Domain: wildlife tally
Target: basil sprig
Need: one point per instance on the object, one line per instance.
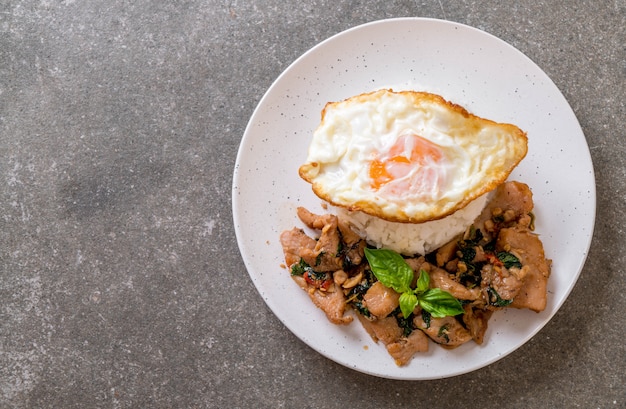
(393, 271)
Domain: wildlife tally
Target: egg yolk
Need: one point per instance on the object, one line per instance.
(410, 153)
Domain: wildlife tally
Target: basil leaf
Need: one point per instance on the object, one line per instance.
(439, 303)
(422, 282)
(408, 302)
(390, 269)
(509, 260)
(393, 271)
(468, 254)
(299, 268)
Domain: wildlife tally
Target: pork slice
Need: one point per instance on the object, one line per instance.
(506, 282)
(353, 243)
(446, 252)
(314, 221)
(380, 300)
(328, 247)
(447, 331)
(476, 321)
(294, 242)
(403, 350)
(385, 330)
(528, 246)
(418, 263)
(355, 253)
(331, 301)
(324, 256)
(513, 195)
(350, 238)
(440, 278)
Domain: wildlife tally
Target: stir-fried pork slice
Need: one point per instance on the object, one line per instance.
(403, 350)
(346, 239)
(476, 321)
(385, 330)
(338, 243)
(325, 255)
(348, 235)
(513, 196)
(447, 331)
(505, 282)
(314, 221)
(297, 245)
(294, 242)
(380, 300)
(533, 294)
(440, 278)
(327, 249)
(331, 301)
(446, 252)
(415, 263)
(353, 243)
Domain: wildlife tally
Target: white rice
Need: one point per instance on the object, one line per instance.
(412, 239)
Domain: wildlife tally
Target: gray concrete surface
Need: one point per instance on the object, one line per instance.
(121, 285)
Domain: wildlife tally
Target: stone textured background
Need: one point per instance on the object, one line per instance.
(121, 285)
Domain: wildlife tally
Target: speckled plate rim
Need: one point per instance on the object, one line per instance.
(465, 65)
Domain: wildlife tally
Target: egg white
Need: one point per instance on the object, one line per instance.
(470, 156)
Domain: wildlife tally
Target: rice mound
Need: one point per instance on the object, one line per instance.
(412, 239)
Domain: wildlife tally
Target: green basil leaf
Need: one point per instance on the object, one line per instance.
(422, 282)
(299, 268)
(439, 303)
(408, 302)
(509, 260)
(390, 269)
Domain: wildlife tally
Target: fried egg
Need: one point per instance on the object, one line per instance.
(408, 156)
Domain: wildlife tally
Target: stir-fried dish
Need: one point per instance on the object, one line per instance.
(446, 296)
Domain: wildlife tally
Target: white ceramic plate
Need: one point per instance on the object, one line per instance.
(467, 66)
